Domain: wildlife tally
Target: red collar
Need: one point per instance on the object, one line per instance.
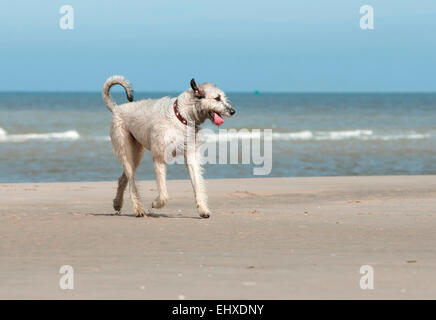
(178, 115)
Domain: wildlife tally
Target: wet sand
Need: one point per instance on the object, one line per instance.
(269, 238)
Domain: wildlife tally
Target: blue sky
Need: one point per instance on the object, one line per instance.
(274, 45)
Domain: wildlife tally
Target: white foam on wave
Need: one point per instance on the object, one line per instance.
(307, 135)
(66, 135)
(3, 133)
(302, 135)
(410, 136)
(323, 135)
(348, 135)
(340, 135)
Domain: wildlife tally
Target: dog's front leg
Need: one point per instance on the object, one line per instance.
(195, 172)
(160, 170)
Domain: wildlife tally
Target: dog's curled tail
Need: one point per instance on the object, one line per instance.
(110, 104)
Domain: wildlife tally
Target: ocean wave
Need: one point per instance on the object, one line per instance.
(305, 135)
(410, 136)
(60, 136)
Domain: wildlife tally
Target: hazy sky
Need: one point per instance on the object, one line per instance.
(274, 45)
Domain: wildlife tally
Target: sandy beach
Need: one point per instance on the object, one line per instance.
(269, 238)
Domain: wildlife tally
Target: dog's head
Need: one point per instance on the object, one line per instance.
(211, 102)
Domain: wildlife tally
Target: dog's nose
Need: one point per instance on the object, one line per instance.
(232, 112)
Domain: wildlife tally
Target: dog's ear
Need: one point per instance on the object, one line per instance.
(197, 92)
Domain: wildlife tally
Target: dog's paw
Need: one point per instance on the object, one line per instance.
(140, 212)
(203, 212)
(205, 215)
(117, 206)
(159, 202)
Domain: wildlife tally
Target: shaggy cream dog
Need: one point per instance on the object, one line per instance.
(163, 127)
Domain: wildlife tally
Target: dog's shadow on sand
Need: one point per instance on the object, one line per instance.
(148, 215)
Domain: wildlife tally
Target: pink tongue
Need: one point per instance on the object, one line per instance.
(217, 119)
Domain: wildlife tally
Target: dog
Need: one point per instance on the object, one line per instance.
(162, 126)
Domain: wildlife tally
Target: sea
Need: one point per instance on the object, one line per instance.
(48, 137)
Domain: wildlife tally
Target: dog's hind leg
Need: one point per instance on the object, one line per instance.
(137, 153)
(118, 201)
(130, 167)
(160, 170)
(129, 152)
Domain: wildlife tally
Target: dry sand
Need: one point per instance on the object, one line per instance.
(275, 238)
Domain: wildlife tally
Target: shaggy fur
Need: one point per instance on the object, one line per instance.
(151, 124)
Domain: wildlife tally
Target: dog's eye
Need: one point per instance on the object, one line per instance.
(218, 98)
